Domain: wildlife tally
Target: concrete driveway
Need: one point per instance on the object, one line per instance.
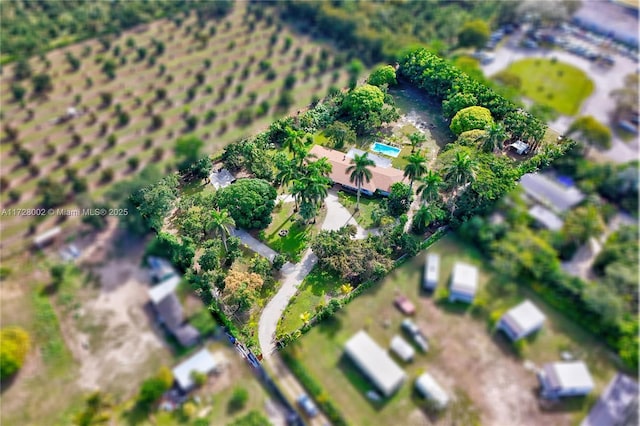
(599, 104)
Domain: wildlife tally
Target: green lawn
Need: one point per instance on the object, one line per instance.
(297, 239)
(316, 288)
(556, 84)
(464, 354)
(367, 205)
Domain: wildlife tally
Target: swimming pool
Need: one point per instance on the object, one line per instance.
(385, 149)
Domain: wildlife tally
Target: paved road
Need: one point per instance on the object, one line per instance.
(255, 244)
(599, 104)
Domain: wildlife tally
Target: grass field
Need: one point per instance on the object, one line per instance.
(367, 205)
(234, 82)
(488, 380)
(318, 287)
(555, 84)
(297, 238)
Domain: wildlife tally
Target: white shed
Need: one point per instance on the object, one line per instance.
(402, 349)
(427, 386)
(200, 362)
(559, 379)
(431, 271)
(464, 283)
(158, 292)
(375, 363)
(46, 237)
(522, 320)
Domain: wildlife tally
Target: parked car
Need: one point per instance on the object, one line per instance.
(307, 405)
(416, 334)
(404, 305)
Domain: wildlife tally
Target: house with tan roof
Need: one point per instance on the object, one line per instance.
(381, 177)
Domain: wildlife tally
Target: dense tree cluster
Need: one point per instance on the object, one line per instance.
(249, 202)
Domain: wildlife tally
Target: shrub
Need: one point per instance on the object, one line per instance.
(471, 118)
(279, 261)
(14, 346)
(238, 399)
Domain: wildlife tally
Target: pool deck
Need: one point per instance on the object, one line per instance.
(380, 161)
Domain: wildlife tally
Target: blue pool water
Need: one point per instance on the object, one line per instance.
(385, 149)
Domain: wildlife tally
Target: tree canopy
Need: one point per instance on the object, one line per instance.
(384, 74)
(14, 346)
(474, 34)
(591, 131)
(471, 118)
(249, 202)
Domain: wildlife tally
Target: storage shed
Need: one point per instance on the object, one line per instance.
(402, 349)
(431, 271)
(521, 320)
(201, 362)
(427, 386)
(375, 363)
(464, 283)
(558, 379)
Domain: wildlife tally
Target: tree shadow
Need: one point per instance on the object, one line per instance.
(330, 326)
(7, 382)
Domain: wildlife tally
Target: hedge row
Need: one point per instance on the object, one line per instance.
(315, 389)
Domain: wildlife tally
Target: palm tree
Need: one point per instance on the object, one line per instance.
(293, 141)
(297, 191)
(461, 170)
(305, 317)
(315, 189)
(415, 168)
(416, 139)
(429, 186)
(346, 289)
(220, 224)
(360, 172)
(320, 167)
(494, 137)
(287, 173)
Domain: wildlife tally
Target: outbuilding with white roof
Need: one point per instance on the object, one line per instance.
(201, 362)
(427, 386)
(464, 283)
(431, 271)
(559, 379)
(521, 320)
(375, 363)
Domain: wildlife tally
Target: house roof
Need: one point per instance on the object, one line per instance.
(374, 362)
(546, 217)
(464, 279)
(431, 389)
(401, 348)
(617, 405)
(158, 292)
(170, 311)
(568, 375)
(381, 177)
(550, 192)
(524, 318)
(201, 362)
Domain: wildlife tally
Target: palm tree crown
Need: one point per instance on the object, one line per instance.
(429, 186)
(415, 168)
(494, 137)
(220, 224)
(360, 172)
(461, 170)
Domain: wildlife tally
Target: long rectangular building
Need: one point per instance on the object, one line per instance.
(381, 177)
(375, 363)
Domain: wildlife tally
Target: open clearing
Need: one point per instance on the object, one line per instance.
(561, 86)
(490, 383)
(235, 81)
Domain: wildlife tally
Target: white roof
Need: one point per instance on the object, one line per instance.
(524, 317)
(546, 217)
(432, 267)
(201, 362)
(401, 348)
(571, 375)
(221, 179)
(47, 235)
(374, 362)
(550, 192)
(464, 279)
(165, 288)
(428, 387)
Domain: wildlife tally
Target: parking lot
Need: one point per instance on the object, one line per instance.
(606, 79)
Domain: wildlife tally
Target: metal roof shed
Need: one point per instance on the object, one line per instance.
(162, 290)
(522, 320)
(560, 379)
(375, 363)
(431, 271)
(427, 386)
(402, 349)
(200, 362)
(464, 283)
